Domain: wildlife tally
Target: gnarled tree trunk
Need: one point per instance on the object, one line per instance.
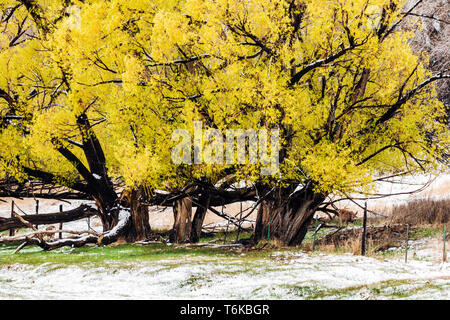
(108, 217)
(285, 215)
(140, 226)
(97, 178)
(182, 220)
(199, 217)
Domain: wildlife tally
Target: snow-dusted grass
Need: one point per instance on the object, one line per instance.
(95, 255)
(161, 272)
(171, 272)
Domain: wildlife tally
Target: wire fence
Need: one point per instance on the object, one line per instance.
(17, 211)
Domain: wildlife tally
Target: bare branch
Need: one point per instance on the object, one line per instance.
(401, 101)
(309, 67)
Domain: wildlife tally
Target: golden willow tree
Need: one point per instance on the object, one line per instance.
(52, 118)
(74, 112)
(93, 90)
(337, 78)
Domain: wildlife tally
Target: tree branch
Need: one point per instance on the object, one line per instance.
(309, 67)
(104, 239)
(83, 211)
(401, 101)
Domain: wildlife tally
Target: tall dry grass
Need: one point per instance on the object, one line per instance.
(422, 212)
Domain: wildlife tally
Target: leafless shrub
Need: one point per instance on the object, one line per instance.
(422, 212)
(377, 239)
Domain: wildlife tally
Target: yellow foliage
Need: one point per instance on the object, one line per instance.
(145, 69)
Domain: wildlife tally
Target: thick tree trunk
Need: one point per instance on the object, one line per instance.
(140, 226)
(97, 179)
(286, 215)
(182, 224)
(199, 217)
(108, 217)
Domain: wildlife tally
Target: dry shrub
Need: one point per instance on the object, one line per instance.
(393, 233)
(377, 238)
(275, 243)
(422, 212)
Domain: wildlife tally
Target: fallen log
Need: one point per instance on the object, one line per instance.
(25, 222)
(38, 234)
(28, 224)
(103, 239)
(83, 211)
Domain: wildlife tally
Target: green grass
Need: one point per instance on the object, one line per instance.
(99, 255)
(230, 236)
(426, 232)
(321, 233)
(96, 255)
(391, 289)
(122, 254)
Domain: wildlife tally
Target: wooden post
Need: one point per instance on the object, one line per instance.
(185, 229)
(226, 231)
(239, 226)
(407, 238)
(37, 211)
(314, 234)
(444, 252)
(363, 238)
(61, 224)
(268, 231)
(11, 231)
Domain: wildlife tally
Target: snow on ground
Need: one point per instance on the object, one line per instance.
(285, 275)
(426, 249)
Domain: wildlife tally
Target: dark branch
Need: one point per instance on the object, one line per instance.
(83, 211)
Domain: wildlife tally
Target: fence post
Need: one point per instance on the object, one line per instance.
(61, 224)
(185, 229)
(314, 234)
(407, 238)
(37, 211)
(226, 231)
(363, 240)
(268, 231)
(11, 231)
(444, 252)
(239, 226)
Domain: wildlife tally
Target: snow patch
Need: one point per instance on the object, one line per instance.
(285, 275)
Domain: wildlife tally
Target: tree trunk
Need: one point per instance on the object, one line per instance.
(108, 217)
(140, 226)
(97, 178)
(199, 217)
(182, 224)
(286, 215)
